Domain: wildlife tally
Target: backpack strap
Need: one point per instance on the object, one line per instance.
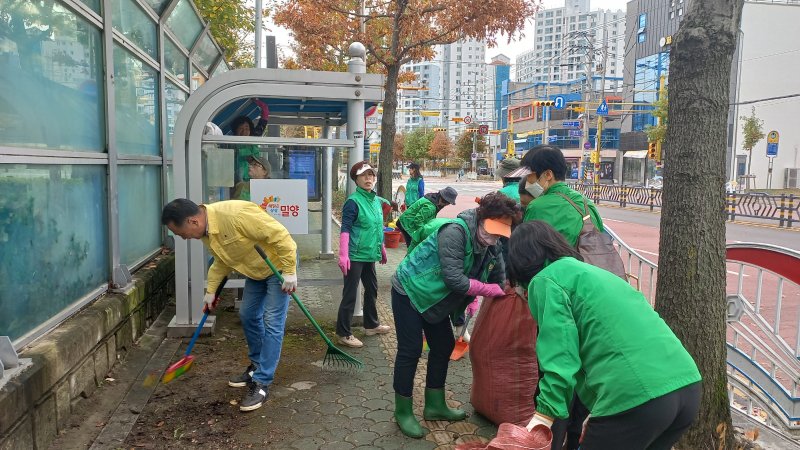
(584, 213)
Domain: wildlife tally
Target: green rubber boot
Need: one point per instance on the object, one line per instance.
(436, 408)
(404, 415)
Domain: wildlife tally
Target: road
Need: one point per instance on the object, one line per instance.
(638, 228)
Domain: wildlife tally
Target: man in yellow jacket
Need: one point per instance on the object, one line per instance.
(230, 230)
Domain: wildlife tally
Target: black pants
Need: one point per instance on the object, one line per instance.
(405, 234)
(655, 425)
(409, 325)
(364, 272)
(569, 430)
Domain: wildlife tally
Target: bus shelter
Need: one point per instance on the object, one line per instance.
(207, 165)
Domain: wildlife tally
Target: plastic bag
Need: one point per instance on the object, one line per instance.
(514, 437)
(505, 372)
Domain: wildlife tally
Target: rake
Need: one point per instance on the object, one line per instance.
(334, 357)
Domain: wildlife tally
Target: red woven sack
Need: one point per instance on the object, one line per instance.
(502, 349)
(513, 437)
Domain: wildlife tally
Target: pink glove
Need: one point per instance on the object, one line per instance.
(383, 254)
(344, 252)
(485, 289)
(263, 107)
(472, 308)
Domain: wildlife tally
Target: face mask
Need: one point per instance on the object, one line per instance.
(485, 238)
(535, 189)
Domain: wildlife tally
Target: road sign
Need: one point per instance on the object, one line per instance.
(467, 120)
(559, 102)
(483, 129)
(772, 144)
(552, 139)
(474, 156)
(571, 124)
(602, 110)
(587, 145)
(575, 133)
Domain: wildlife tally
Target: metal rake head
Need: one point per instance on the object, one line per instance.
(336, 359)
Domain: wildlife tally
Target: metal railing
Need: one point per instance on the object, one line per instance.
(783, 209)
(763, 337)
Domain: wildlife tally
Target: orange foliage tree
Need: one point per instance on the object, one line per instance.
(399, 147)
(395, 32)
(441, 147)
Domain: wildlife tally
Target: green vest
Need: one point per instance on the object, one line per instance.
(420, 272)
(412, 191)
(416, 216)
(366, 235)
(429, 228)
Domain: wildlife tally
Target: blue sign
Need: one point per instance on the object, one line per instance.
(570, 124)
(575, 133)
(559, 102)
(772, 150)
(602, 110)
(587, 145)
(303, 166)
(552, 139)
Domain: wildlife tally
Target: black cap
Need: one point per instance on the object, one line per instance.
(449, 195)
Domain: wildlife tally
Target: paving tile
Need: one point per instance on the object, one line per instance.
(361, 437)
(377, 403)
(380, 415)
(337, 446)
(354, 411)
(307, 443)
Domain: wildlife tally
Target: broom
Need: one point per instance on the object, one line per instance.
(184, 364)
(334, 356)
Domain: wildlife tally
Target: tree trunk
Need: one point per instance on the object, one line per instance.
(388, 131)
(691, 280)
(749, 160)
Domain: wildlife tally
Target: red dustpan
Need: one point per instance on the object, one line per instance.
(462, 346)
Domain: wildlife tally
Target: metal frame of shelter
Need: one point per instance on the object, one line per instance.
(355, 88)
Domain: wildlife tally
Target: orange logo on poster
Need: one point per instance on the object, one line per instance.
(272, 205)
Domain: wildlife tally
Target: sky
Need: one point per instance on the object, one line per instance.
(283, 37)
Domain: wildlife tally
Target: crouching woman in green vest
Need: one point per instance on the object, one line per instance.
(423, 211)
(435, 282)
(600, 338)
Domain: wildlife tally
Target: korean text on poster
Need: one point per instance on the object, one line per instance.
(285, 200)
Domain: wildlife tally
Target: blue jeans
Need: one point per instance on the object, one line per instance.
(263, 316)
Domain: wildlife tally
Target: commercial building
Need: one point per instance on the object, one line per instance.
(764, 68)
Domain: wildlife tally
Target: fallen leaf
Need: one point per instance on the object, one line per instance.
(160, 424)
(234, 402)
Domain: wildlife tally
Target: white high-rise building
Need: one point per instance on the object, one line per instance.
(561, 41)
(466, 89)
(420, 97)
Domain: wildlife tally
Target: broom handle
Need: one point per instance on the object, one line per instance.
(203, 320)
(294, 296)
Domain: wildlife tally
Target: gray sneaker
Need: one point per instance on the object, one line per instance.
(242, 379)
(256, 396)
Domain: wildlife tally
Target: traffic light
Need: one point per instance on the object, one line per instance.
(652, 150)
(544, 103)
(439, 129)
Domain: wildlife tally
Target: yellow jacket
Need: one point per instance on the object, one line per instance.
(234, 227)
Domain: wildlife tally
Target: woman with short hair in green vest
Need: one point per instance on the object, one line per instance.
(415, 186)
(423, 211)
(360, 247)
(435, 282)
(599, 338)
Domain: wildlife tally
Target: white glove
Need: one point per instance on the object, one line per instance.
(539, 419)
(289, 283)
(208, 299)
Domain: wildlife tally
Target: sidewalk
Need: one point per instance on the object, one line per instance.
(308, 407)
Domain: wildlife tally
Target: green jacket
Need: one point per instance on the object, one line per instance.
(511, 190)
(412, 191)
(556, 210)
(416, 216)
(436, 274)
(599, 337)
(366, 236)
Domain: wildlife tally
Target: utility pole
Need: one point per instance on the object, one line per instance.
(587, 100)
(598, 137)
(259, 14)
